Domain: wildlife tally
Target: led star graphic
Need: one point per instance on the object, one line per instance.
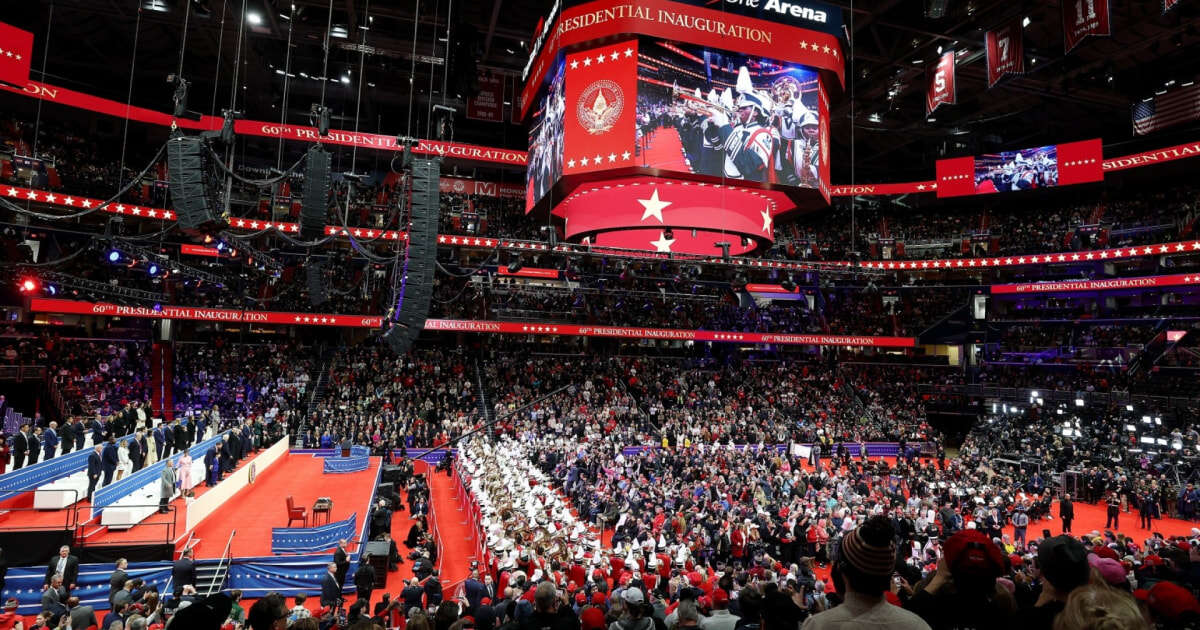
(653, 206)
(663, 244)
(767, 221)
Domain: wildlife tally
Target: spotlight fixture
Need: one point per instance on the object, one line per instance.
(515, 265)
(152, 270)
(114, 256)
(29, 285)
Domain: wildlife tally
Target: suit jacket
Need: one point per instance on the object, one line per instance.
(95, 467)
(70, 571)
(331, 591)
(160, 440)
(79, 431)
(50, 440)
(412, 596)
(108, 455)
(97, 432)
(475, 591)
(180, 436)
(20, 443)
(52, 601)
(136, 454)
(183, 572)
(115, 583)
(341, 558)
(1066, 509)
(84, 617)
(364, 577)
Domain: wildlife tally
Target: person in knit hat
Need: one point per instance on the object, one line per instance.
(863, 571)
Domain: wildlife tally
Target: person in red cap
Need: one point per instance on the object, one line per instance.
(963, 593)
(721, 618)
(1174, 605)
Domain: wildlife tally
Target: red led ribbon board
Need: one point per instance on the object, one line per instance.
(42, 305)
(1113, 284)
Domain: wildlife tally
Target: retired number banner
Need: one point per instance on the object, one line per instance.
(1082, 18)
(941, 88)
(1005, 51)
(488, 103)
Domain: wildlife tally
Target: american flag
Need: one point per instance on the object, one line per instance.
(1165, 110)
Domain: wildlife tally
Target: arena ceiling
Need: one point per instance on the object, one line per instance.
(1086, 93)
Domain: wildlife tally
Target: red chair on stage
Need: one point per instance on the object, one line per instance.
(296, 513)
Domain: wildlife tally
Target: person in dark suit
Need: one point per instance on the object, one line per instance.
(144, 446)
(183, 572)
(94, 469)
(474, 590)
(117, 580)
(1066, 511)
(98, 430)
(54, 598)
(364, 579)
(341, 559)
(137, 451)
(65, 565)
(81, 616)
(331, 589)
(80, 433)
(433, 590)
(109, 459)
(212, 466)
(35, 445)
(168, 440)
(181, 437)
(228, 458)
(412, 594)
(66, 433)
(50, 441)
(20, 446)
(160, 442)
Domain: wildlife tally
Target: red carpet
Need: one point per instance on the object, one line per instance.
(663, 149)
(262, 504)
(457, 536)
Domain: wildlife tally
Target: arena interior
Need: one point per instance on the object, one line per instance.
(598, 315)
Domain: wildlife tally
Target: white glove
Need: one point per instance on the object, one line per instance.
(719, 118)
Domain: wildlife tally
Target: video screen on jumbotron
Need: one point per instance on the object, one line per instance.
(546, 139)
(1027, 169)
(713, 112)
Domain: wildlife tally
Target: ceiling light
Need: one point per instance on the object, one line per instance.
(939, 50)
(874, 117)
(1026, 21)
(156, 5)
(346, 79)
(254, 18)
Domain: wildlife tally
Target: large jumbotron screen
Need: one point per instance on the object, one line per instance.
(546, 139)
(711, 112)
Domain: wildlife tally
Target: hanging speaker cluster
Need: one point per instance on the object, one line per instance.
(194, 186)
(314, 209)
(318, 289)
(417, 285)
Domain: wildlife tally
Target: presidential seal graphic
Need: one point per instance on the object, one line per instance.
(599, 106)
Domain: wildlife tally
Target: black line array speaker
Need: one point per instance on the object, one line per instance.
(422, 256)
(318, 292)
(195, 191)
(314, 207)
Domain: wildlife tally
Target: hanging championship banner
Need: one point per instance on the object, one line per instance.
(941, 88)
(1005, 52)
(16, 46)
(1169, 4)
(488, 103)
(1082, 18)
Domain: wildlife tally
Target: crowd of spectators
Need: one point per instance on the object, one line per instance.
(231, 382)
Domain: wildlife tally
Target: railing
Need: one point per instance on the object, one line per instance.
(433, 520)
(70, 519)
(222, 571)
(22, 372)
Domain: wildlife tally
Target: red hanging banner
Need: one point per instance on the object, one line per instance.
(488, 103)
(598, 110)
(1082, 18)
(1169, 4)
(941, 88)
(16, 46)
(1005, 51)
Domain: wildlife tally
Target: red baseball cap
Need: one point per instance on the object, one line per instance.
(971, 554)
(1170, 601)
